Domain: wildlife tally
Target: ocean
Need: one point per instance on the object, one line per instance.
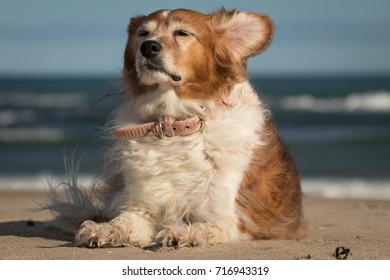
(337, 129)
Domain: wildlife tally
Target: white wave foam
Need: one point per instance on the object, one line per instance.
(347, 188)
(320, 187)
(38, 182)
(332, 133)
(371, 101)
(10, 117)
(31, 135)
(44, 100)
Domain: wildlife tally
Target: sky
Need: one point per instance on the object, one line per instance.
(87, 37)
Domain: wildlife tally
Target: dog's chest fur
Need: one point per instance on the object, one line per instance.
(191, 177)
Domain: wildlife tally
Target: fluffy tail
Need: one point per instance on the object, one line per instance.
(72, 204)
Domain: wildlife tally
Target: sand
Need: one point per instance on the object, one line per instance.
(361, 225)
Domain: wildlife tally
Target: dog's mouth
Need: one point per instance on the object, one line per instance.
(150, 65)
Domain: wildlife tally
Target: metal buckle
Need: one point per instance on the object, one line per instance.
(160, 127)
(202, 121)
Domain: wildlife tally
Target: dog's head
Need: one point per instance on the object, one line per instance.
(196, 54)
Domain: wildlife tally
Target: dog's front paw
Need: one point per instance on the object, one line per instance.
(185, 236)
(98, 235)
(192, 235)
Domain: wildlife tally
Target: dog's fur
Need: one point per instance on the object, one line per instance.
(234, 180)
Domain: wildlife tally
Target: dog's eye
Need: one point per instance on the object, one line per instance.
(181, 33)
(143, 33)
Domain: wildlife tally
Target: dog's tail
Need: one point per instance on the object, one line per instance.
(72, 204)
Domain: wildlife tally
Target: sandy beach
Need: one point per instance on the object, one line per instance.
(363, 226)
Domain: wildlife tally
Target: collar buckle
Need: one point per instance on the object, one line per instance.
(160, 127)
(202, 121)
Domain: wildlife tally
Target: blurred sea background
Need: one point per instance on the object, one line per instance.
(325, 77)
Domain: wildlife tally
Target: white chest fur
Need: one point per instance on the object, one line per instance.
(193, 178)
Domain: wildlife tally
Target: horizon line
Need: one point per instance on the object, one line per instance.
(251, 74)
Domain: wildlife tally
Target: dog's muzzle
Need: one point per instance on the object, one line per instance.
(150, 50)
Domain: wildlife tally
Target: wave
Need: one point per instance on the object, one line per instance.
(11, 117)
(347, 188)
(370, 101)
(333, 133)
(39, 182)
(44, 100)
(31, 135)
(353, 188)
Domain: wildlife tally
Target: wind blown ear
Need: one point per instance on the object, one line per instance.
(135, 22)
(129, 55)
(243, 34)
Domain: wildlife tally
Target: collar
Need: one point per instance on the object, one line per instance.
(165, 126)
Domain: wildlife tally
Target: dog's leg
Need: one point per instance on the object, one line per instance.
(127, 228)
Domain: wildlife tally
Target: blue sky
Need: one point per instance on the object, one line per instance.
(87, 37)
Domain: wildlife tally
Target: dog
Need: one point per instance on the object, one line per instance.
(195, 158)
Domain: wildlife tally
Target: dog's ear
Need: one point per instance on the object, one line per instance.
(129, 55)
(242, 34)
(135, 22)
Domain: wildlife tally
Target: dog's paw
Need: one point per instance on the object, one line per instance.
(113, 234)
(185, 236)
(98, 235)
(192, 235)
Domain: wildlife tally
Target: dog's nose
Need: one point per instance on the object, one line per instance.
(150, 48)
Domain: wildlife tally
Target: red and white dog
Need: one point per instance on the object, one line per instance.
(195, 157)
